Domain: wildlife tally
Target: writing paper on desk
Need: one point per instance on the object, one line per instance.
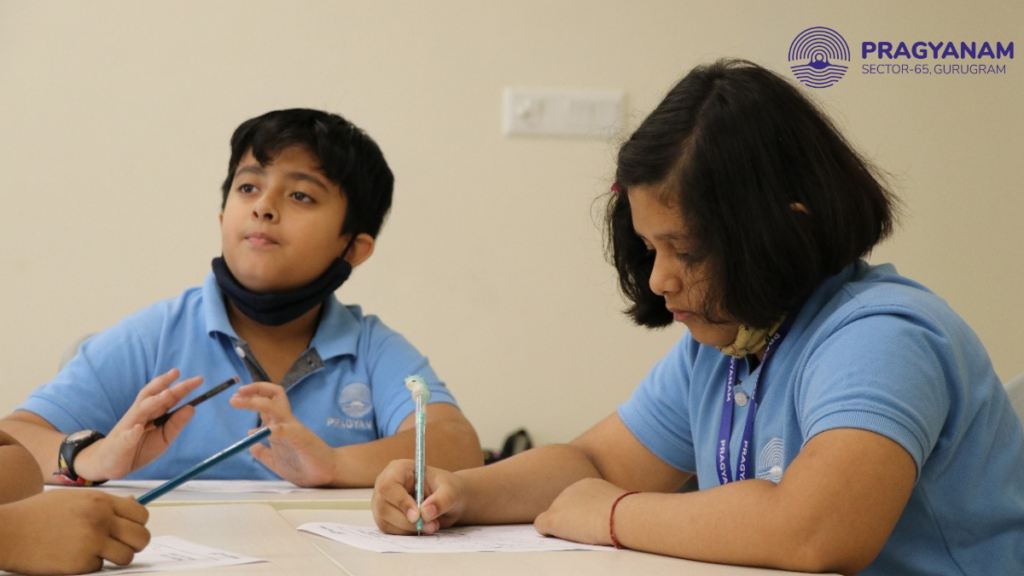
(216, 486)
(173, 553)
(504, 538)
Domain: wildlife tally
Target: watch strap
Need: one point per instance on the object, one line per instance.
(69, 449)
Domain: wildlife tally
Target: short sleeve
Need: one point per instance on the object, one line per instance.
(390, 358)
(886, 373)
(658, 412)
(91, 391)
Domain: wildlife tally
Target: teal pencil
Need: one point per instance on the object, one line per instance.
(421, 394)
(204, 465)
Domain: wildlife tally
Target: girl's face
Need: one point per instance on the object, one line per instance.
(675, 276)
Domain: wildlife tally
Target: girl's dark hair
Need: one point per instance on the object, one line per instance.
(347, 156)
(735, 145)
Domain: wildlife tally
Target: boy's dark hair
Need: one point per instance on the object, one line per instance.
(734, 145)
(347, 155)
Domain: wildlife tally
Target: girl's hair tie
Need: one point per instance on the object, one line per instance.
(616, 187)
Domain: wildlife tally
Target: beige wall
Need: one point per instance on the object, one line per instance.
(115, 118)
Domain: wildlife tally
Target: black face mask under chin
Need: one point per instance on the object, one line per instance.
(277, 308)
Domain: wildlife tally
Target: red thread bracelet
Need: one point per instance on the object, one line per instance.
(611, 519)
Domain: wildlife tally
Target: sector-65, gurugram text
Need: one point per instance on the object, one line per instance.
(938, 51)
(940, 69)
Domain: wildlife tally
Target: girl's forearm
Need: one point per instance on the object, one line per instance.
(516, 490)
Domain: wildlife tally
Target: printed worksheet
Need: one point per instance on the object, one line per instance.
(173, 553)
(504, 538)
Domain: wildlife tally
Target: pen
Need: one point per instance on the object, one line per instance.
(204, 465)
(421, 394)
(161, 420)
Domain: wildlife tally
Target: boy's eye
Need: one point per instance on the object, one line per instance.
(302, 197)
(246, 188)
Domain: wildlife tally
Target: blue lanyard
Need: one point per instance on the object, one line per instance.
(725, 430)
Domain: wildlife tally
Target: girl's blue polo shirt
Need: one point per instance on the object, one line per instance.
(875, 351)
(348, 387)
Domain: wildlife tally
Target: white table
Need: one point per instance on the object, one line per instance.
(263, 524)
(250, 529)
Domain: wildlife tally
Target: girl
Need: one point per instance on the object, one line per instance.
(839, 417)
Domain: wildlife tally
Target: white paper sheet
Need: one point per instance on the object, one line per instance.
(173, 553)
(216, 486)
(504, 538)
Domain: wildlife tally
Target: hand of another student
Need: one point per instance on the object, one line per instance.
(71, 532)
(133, 442)
(394, 500)
(296, 454)
(581, 512)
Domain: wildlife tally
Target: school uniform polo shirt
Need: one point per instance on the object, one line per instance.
(348, 387)
(875, 351)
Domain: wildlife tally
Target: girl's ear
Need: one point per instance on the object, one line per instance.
(798, 207)
(360, 250)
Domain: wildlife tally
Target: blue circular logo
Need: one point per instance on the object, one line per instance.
(355, 400)
(819, 57)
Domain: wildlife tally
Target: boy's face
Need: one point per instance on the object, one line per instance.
(281, 223)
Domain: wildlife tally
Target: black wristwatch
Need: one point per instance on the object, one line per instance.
(70, 448)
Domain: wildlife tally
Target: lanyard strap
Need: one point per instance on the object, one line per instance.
(725, 430)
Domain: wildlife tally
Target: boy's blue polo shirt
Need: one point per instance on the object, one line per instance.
(348, 388)
(875, 351)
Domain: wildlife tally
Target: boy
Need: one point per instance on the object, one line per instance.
(61, 532)
(305, 197)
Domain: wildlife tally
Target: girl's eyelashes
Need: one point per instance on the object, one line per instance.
(679, 252)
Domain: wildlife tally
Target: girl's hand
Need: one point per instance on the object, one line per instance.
(581, 512)
(71, 532)
(296, 454)
(394, 499)
(134, 442)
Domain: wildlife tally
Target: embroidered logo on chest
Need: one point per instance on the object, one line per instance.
(769, 461)
(354, 400)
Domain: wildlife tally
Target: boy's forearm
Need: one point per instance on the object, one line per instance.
(21, 476)
(450, 445)
(40, 439)
(517, 490)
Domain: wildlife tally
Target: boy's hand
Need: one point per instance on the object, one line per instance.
(134, 442)
(71, 532)
(295, 454)
(394, 505)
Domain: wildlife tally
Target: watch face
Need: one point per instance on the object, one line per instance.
(80, 435)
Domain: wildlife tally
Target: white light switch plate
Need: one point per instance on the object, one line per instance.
(589, 113)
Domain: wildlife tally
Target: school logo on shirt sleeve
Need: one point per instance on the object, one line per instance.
(769, 461)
